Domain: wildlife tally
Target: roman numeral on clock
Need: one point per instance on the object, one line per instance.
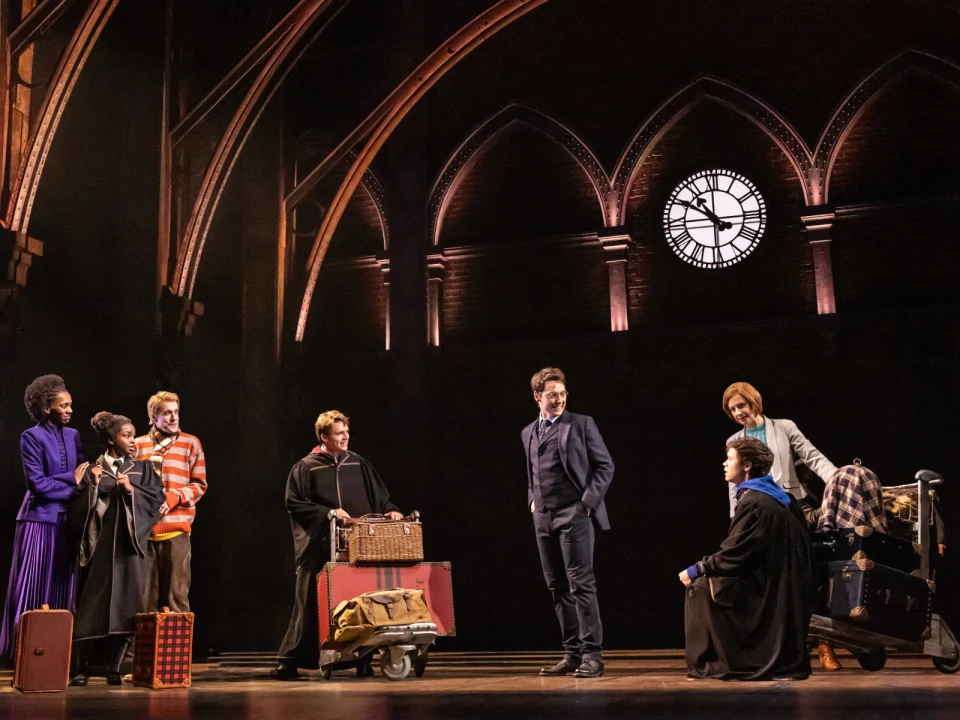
(682, 241)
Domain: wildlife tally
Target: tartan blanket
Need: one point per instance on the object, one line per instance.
(853, 497)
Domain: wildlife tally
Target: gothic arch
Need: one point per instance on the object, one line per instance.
(400, 102)
(302, 25)
(854, 105)
(486, 134)
(676, 107)
(60, 87)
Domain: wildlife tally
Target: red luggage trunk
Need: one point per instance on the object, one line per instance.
(43, 651)
(163, 650)
(342, 581)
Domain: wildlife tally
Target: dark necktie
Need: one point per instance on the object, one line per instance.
(542, 430)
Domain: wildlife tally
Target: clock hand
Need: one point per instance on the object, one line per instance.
(703, 208)
(721, 224)
(691, 206)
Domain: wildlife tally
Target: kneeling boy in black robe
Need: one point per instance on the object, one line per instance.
(748, 605)
(329, 478)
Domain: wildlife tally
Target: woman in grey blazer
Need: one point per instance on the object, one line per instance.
(743, 404)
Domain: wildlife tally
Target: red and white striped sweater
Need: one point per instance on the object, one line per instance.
(184, 473)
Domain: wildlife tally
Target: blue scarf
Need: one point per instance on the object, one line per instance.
(766, 485)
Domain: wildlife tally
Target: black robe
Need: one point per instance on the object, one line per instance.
(113, 528)
(747, 618)
(316, 485)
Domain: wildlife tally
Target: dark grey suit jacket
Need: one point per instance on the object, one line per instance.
(585, 458)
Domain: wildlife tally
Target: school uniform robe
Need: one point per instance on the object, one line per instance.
(747, 616)
(113, 527)
(316, 485)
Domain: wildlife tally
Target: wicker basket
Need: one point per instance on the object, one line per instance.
(373, 539)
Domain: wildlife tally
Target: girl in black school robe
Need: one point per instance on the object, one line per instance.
(118, 503)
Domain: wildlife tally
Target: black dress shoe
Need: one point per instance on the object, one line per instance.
(114, 678)
(364, 669)
(79, 680)
(589, 669)
(567, 665)
(285, 671)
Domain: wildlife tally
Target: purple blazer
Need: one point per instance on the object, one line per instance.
(50, 455)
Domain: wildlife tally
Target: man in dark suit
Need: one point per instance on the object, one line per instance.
(568, 472)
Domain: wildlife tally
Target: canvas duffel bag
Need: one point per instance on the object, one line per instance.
(361, 616)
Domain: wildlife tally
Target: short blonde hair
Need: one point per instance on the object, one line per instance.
(325, 422)
(748, 392)
(156, 400)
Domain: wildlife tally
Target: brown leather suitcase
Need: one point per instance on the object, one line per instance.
(43, 650)
(163, 650)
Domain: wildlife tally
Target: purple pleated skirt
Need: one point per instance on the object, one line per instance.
(41, 574)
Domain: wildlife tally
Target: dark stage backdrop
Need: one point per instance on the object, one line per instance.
(877, 381)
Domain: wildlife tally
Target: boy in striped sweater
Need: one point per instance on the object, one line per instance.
(178, 459)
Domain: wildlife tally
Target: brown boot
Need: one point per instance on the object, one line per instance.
(828, 661)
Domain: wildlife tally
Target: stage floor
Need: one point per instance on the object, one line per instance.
(490, 685)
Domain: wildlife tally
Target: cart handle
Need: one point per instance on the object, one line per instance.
(374, 517)
(929, 476)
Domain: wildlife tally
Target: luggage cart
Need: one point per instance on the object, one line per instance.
(401, 647)
(870, 648)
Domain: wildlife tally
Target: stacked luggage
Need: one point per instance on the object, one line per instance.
(872, 580)
(376, 593)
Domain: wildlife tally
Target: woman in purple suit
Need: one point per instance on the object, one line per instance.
(43, 561)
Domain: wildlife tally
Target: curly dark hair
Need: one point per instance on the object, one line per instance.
(754, 452)
(108, 425)
(41, 393)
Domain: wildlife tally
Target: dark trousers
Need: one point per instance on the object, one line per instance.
(301, 644)
(168, 575)
(565, 538)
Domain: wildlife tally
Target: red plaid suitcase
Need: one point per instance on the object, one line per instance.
(344, 581)
(163, 650)
(43, 650)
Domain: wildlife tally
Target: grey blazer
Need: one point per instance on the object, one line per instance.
(789, 448)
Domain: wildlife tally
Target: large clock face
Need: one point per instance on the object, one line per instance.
(714, 218)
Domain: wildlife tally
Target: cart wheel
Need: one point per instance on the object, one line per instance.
(326, 672)
(945, 665)
(873, 660)
(394, 672)
(419, 667)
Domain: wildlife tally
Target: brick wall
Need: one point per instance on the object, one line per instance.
(348, 309)
(774, 281)
(903, 145)
(524, 185)
(522, 270)
(536, 289)
(897, 256)
(899, 167)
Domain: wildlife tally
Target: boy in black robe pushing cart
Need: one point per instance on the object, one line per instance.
(331, 477)
(748, 605)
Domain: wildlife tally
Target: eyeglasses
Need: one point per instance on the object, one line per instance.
(556, 395)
